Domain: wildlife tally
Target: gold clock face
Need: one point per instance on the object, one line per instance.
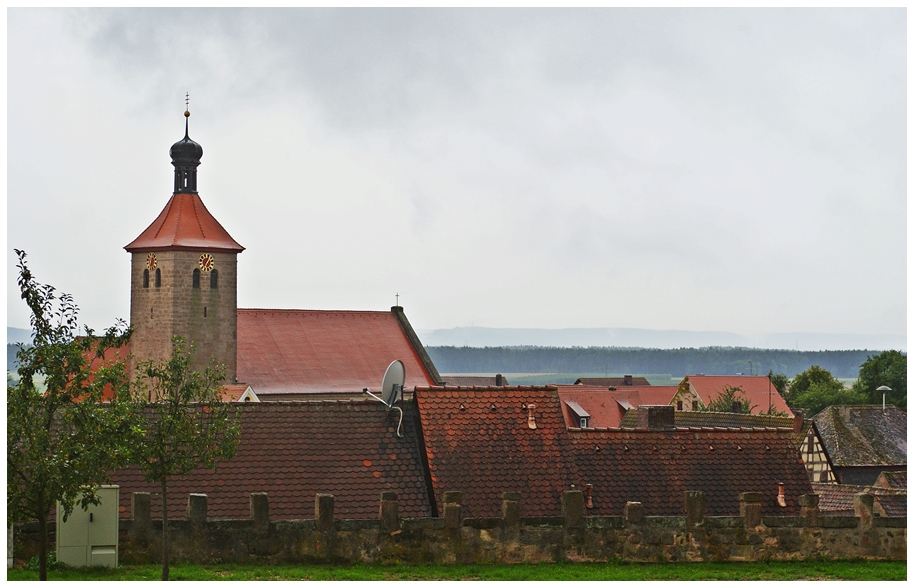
(151, 261)
(207, 263)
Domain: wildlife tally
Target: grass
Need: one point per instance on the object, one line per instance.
(814, 570)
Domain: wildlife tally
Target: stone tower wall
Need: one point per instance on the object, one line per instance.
(205, 316)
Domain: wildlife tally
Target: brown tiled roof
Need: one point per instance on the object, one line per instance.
(184, 223)
(757, 389)
(616, 382)
(311, 351)
(864, 435)
(893, 480)
(838, 499)
(656, 468)
(684, 418)
(607, 407)
(451, 380)
(478, 442)
(294, 450)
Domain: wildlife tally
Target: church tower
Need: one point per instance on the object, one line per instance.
(183, 277)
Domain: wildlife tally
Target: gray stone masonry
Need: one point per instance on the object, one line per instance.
(510, 538)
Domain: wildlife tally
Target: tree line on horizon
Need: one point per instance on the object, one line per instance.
(633, 360)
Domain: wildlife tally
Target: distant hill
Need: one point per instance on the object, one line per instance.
(636, 361)
(14, 335)
(655, 339)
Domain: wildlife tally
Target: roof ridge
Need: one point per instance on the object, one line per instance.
(197, 215)
(312, 310)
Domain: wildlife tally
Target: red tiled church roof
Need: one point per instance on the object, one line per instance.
(294, 450)
(184, 223)
(311, 351)
(758, 389)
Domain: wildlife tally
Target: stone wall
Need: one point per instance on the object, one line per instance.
(509, 538)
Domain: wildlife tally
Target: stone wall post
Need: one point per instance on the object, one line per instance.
(197, 505)
(260, 510)
(809, 509)
(451, 502)
(750, 508)
(863, 509)
(573, 509)
(390, 515)
(323, 512)
(633, 513)
(694, 505)
(510, 509)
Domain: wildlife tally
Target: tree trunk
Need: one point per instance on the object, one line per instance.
(42, 537)
(164, 530)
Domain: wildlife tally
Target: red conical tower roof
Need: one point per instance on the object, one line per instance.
(185, 224)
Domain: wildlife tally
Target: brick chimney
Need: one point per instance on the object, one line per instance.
(627, 380)
(656, 417)
(499, 380)
(797, 424)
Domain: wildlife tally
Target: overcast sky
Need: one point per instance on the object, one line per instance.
(732, 170)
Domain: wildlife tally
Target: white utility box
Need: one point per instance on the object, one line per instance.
(89, 537)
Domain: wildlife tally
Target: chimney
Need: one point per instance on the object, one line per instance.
(656, 417)
(531, 420)
(499, 380)
(736, 407)
(627, 380)
(782, 499)
(797, 424)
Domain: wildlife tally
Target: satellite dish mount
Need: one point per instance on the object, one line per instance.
(392, 389)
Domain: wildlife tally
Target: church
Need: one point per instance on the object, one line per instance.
(184, 282)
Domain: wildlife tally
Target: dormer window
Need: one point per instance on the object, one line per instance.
(578, 414)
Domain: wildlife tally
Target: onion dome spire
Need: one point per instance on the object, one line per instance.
(185, 156)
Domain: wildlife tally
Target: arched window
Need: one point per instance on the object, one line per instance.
(213, 280)
(196, 278)
(158, 278)
(145, 278)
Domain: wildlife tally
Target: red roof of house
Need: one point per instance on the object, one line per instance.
(112, 354)
(656, 468)
(185, 223)
(757, 389)
(607, 407)
(617, 382)
(294, 450)
(310, 351)
(232, 392)
(478, 441)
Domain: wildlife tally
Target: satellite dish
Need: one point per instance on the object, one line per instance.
(392, 384)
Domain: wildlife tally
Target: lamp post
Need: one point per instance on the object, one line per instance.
(883, 389)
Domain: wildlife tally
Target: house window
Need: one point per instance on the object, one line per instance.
(213, 280)
(145, 278)
(583, 422)
(158, 278)
(196, 278)
(679, 405)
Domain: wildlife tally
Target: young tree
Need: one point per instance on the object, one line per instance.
(186, 423)
(889, 368)
(61, 441)
(729, 397)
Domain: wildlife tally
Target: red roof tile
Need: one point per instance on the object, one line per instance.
(309, 351)
(607, 407)
(185, 223)
(758, 389)
(478, 442)
(294, 450)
